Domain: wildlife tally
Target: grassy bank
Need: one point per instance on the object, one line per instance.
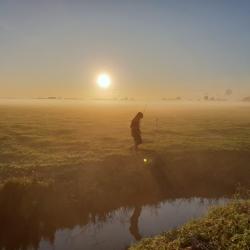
(225, 228)
(35, 204)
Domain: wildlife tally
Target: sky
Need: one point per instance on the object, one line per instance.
(151, 48)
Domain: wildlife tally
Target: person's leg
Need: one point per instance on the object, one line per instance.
(138, 141)
(136, 147)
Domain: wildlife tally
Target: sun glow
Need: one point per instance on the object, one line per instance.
(104, 80)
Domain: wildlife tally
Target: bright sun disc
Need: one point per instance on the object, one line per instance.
(103, 81)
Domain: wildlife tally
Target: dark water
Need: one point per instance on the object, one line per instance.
(123, 226)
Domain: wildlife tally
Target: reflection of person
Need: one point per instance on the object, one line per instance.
(135, 130)
(134, 229)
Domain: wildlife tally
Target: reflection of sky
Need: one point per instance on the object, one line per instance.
(57, 47)
(169, 215)
(114, 233)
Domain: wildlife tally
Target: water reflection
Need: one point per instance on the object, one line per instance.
(134, 221)
(124, 226)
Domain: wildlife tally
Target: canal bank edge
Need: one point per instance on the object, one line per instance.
(226, 227)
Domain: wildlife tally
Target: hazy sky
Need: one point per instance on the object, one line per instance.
(150, 47)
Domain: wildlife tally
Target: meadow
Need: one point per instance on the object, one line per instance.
(65, 162)
(44, 134)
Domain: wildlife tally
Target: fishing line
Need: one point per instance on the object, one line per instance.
(145, 107)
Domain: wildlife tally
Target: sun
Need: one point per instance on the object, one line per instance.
(104, 80)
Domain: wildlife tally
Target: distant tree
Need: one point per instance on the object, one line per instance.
(246, 99)
(228, 92)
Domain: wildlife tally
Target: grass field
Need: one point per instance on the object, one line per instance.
(58, 156)
(57, 134)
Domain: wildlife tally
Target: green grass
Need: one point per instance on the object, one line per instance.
(58, 135)
(224, 228)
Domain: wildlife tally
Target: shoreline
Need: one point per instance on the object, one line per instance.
(224, 227)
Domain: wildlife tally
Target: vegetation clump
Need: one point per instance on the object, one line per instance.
(224, 228)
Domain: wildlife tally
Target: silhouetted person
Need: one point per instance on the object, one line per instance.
(134, 229)
(135, 130)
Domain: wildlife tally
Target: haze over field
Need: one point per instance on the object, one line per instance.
(120, 120)
(50, 133)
